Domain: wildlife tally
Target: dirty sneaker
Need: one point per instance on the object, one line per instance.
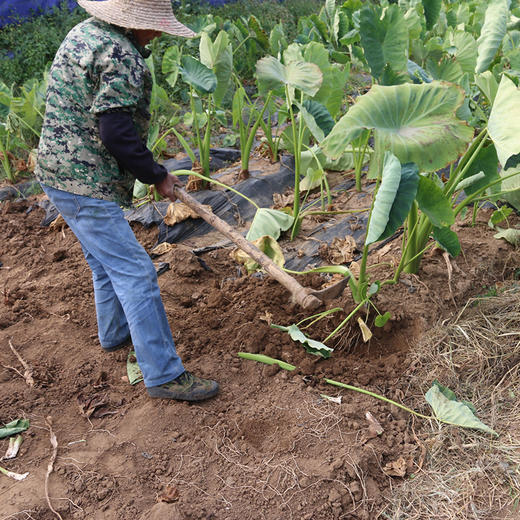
(186, 387)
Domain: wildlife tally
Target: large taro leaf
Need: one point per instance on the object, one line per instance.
(492, 33)
(434, 204)
(310, 345)
(317, 118)
(447, 409)
(447, 239)
(331, 91)
(432, 9)
(304, 76)
(269, 222)
(504, 123)
(384, 39)
(171, 65)
(488, 85)
(218, 56)
(417, 123)
(385, 196)
(465, 50)
(198, 75)
(403, 200)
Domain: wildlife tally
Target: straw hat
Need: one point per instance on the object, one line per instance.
(154, 15)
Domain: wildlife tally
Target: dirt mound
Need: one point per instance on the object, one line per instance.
(269, 446)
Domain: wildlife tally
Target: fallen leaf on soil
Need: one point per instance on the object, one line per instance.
(373, 424)
(163, 247)
(58, 223)
(282, 201)
(341, 251)
(178, 211)
(367, 333)
(91, 405)
(397, 468)
(169, 495)
(267, 317)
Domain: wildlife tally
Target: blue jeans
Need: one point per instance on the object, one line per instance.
(126, 291)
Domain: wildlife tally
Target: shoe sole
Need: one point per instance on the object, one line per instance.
(164, 393)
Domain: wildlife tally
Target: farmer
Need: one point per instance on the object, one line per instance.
(91, 151)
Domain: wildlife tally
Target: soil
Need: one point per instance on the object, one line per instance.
(269, 446)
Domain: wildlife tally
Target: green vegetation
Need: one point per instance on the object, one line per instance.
(438, 124)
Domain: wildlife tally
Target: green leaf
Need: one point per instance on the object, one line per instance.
(417, 123)
(310, 345)
(132, 369)
(510, 235)
(313, 178)
(381, 319)
(485, 162)
(260, 35)
(277, 40)
(432, 9)
(384, 40)
(14, 427)
(488, 85)
(454, 412)
(171, 65)
(261, 358)
(320, 117)
(499, 216)
(434, 204)
(504, 122)
(465, 51)
(447, 239)
(140, 189)
(269, 222)
(198, 75)
(492, 33)
(218, 57)
(304, 76)
(403, 200)
(390, 178)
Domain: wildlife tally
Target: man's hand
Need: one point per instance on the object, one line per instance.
(165, 187)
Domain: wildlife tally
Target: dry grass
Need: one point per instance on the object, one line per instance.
(467, 474)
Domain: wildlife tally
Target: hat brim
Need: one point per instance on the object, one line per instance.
(109, 12)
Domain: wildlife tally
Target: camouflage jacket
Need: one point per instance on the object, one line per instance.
(96, 69)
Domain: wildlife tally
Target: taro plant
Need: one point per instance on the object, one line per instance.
(247, 117)
(208, 81)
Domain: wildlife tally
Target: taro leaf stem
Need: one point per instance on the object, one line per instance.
(386, 400)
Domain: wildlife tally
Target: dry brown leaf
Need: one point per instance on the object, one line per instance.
(169, 494)
(267, 317)
(162, 248)
(341, 251)
(373, 424)
(282, 201)
(397, 468)
(178, 211)
(367, 333)
(57, 224)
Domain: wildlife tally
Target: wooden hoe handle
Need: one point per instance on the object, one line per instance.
(299, 294)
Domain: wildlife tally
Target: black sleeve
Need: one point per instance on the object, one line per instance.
(119, 135)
